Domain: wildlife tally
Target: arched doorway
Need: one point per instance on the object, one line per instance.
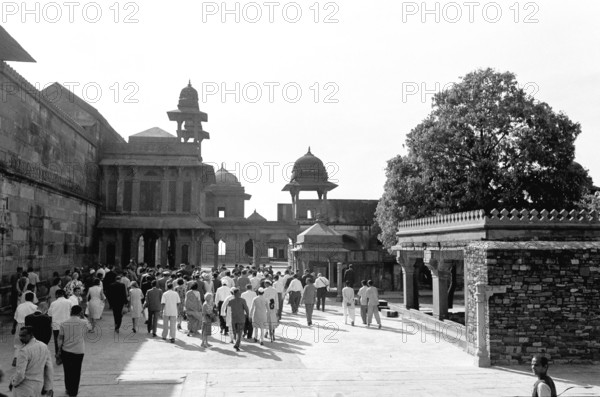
(147, 248)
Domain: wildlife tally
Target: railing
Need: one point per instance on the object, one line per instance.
(504, 217)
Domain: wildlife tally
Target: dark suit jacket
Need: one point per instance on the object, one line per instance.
(153, 299)
(117, 294)
(42, 326)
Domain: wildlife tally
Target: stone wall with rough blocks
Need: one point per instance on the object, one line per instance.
(552, 303)
(48, 180)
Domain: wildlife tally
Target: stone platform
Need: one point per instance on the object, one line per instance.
(328, 359)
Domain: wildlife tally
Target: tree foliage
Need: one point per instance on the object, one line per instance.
(486, 144)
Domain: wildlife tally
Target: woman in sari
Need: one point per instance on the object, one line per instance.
(208, 316)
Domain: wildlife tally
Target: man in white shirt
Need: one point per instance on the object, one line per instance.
(255, 281)
(75, 298)
(295, 291)
(279, 286)
(34, 279)
(348, 303)
(362, 294)
(60, 311)
(170, 301)
(227, 280)
(34, 373)
(321, 283)
(248, 296)
(372, 304)
(23, 310)
(223, 292)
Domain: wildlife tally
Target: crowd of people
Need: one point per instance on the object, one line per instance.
(244, 302)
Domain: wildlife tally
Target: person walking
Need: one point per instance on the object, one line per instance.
(96, 298)
(223, 292)
(60, 311)
(193, 309)
(117, 299)
(309, 295)
(544, 386)
(258, 314)
(135, 304)
(349, 276)
(72, 348)
(248, 296)
(321, 284)
(239, 312)
(41, 323)
(181, 290)
(272, 299)
(362, 295)
(372, 304)
(348, 303)
(23, 310)
(153, 304)
(295, 291)
(279, 286)
(34, 373)
(208, 317)
(170, 301)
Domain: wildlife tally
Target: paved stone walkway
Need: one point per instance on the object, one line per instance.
(328, 359)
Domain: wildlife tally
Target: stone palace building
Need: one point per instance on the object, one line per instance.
(74, 192)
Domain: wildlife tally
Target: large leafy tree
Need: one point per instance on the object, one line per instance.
(486, 144)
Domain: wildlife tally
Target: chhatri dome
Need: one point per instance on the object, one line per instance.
(309, 168)
(224, 177)
(188, 98)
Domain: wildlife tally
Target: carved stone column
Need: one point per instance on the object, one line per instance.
(164, 184)
(440, 273)
(482, 294)
(179, 195)
(135, 194)
(120, 188)
(410, 289)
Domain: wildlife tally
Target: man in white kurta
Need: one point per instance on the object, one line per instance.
(348, 303)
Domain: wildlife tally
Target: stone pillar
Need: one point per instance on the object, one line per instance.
(120, 188)
(179, 186)
(440, 273)
(163, 249)
(135, 194)
(133, 246)
(216, 255)
(339, 281)
(408, 279)
(483, 356)
(255, 252)
(119, 249)
(164, 184)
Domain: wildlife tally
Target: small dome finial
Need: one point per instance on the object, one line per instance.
(309, 150)
(222, 166)
(189, 82)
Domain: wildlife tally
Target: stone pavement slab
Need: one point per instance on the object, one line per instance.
(328, 359)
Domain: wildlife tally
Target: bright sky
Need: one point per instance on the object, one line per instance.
(378, 63)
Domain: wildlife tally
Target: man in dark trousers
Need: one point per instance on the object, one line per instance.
(239, 312)
(153, 299)
(544, 387)
(41, 323)
(117, 297)
(349, 276)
